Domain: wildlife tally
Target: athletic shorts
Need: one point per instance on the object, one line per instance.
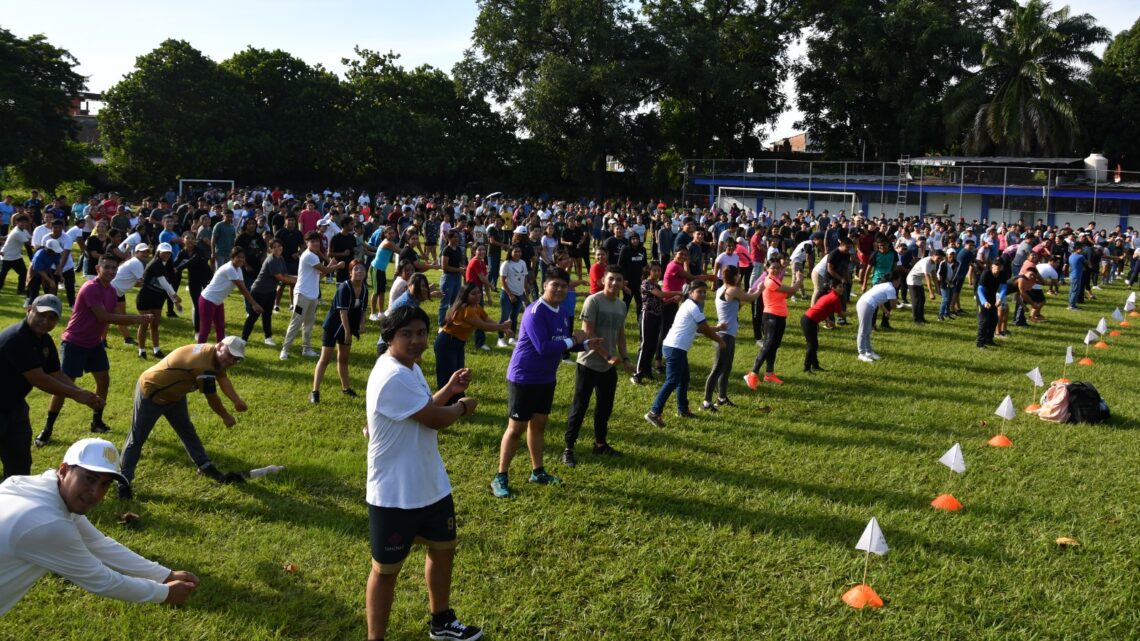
(393, 530)
(379, 280)
(1037, 295)
(525, 400)
(331, 339)
(77, 360)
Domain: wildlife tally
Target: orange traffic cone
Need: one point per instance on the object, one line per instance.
(1125, 324)
(1115, 332)
(862, 596)
(1134, 314)
(1032, 408)
(946, 502)
(1085, 361)
(1101, 345)
(1001, 440)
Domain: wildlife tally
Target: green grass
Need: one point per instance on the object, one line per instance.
(739, 525)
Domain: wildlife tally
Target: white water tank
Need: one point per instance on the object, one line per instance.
(1096, 168)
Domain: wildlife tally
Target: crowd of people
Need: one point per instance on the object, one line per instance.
(644, 272)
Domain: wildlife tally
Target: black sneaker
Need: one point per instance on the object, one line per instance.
(314, 397)
(99, 427)
(817, 368)
(568, 458)
(43, 439)
(454, 630)
(725, 401)
(351, 393)
(708, 407)
(129, 341)
(654, 419)
(158, 353)
(605, 450)
(142, 354)
(212, 472)
(686, 414)
(126, 493)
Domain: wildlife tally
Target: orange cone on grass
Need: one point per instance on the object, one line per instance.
(1035, 376)
(1090, 338)
(872, 542)
(952, 459)
(1008, 413)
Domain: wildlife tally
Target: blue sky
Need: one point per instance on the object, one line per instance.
(106, 37)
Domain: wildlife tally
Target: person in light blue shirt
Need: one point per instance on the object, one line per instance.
(1077, 264)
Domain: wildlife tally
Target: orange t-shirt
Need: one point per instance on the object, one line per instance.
(775, 301)
(459, 327)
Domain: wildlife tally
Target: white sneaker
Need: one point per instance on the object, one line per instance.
(374, 317)
(270, 342)
(866, 358)
(284, 355)
(511, 341)
(309, 352)
(1096, 287)
(874, 355)
(485, 347)
(502, 343)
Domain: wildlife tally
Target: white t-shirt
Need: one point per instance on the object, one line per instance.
(40, 235)
(725, 259)
(308, 276)
(1047, 273)
(129, 274)
(879, 294)
(684, 329)
(802, 251)
(917, 275)
(820, 268)
(405, 469)
(399, 286)
(221, 284)
(14, 245)
(514, 271)
(38, 534)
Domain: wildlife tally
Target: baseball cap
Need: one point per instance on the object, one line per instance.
(521, 229)
(53, 246)
(95, 455)
(235, 345)
(48, 303)
(142, 247)
(164, 247)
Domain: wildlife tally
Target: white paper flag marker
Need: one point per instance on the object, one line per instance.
(1035, 376)
(1132, 298)
(953, 459)
(1069, 355)
(1006, 410)
(873, 540)
(1129, 306)
(1090, 337)
(1102, 326)
(1116, 315)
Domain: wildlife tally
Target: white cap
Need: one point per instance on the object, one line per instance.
(96, 455)
(142, 247)
(52, 245)
(164, 247)
(235, 345)
(521, 229)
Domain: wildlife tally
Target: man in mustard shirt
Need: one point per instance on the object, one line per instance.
(162, 391)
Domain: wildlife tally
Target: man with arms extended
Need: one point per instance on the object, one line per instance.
(44, 528)
(82, 341)
(162, 391)
(408, 493)
(28, 358)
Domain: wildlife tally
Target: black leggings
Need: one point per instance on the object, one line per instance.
(21, 270)
(650, 344)
(265, 299)
(773, 334)
(811, 336)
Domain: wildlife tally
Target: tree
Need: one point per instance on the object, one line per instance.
(37, 85)
(875, 74)
(573, 72)
(178, 114)
(1114, 123)
(1033, 67)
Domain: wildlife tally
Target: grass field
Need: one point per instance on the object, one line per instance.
(739, 525)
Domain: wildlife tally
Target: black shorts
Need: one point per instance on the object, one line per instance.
(1037, 295)
(123, 300)
(379, 279)
(524, 401)
(148, 299)
(392, 531)
(331, 339)
(76, 360)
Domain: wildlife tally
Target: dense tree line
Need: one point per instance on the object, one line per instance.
(549, 90)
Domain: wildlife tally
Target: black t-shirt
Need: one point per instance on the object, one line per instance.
(574, 237)
(92, 244)
(453, 256)
(613, 247)
(291, 242)
(839, 261)
(342, 242)
(408, 254)
(22, 351)
(499, 235)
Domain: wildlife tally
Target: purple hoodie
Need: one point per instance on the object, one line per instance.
(544, 334)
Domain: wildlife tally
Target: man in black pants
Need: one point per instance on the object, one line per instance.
(603, 316)
(990, 289)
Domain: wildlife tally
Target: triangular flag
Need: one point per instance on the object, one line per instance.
(1102, 326)
(1005, 410)
(872, 540)
(1116, 315)
(1090, 338)
(1035, 376)
(1069, 355)
(953, 459)
(1129, 306)
(1132, 298)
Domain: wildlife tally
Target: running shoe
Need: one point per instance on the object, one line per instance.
(605, 450)
(454, 630)
(499, 487)
(544, 478)
(655, 419)
(866, 358)
(751, 380)
(270, 342)
(772, 378)
(874, 356)
(568, 458)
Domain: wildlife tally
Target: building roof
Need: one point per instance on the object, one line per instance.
(996, 161)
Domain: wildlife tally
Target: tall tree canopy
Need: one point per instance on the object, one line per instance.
(1034, 65)
(1115, 125)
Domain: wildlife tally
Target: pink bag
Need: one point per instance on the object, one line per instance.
(1055, 404)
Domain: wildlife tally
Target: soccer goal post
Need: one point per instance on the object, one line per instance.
(779, 201)
(185, 185)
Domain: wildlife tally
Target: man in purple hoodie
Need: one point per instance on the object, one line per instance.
(544, 334)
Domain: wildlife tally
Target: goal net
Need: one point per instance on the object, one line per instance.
(779, 201)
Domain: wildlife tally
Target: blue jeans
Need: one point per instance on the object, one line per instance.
(676, 378)
(944, 311)
(449, 286)
(448, 357)
(509, 310)
(1075, 283)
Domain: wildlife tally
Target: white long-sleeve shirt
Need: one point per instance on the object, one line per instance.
(38, 534)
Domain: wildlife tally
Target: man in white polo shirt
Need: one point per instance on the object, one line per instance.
(44, 528)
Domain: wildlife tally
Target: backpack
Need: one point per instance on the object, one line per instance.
(1055, 404)
(1086, 405)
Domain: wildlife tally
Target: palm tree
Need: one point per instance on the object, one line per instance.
(1019, 101)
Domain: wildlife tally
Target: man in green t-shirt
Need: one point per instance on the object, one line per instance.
(603, 316)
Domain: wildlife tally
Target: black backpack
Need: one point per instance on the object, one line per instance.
(1086, 405)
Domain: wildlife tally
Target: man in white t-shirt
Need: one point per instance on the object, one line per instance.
(13, 252)
(306, 293)
(44, 528)
(408, 492)
(884, 294)
(129, 275)
(922, 281)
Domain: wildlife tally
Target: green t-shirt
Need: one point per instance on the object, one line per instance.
(608, 318)
(883, 265)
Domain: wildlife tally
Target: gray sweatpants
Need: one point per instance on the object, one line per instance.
(301, 320)
(146, 414)
(866, 314)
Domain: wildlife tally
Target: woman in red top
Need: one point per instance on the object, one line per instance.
(775, 321)
(826, 305)
(598, 270)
